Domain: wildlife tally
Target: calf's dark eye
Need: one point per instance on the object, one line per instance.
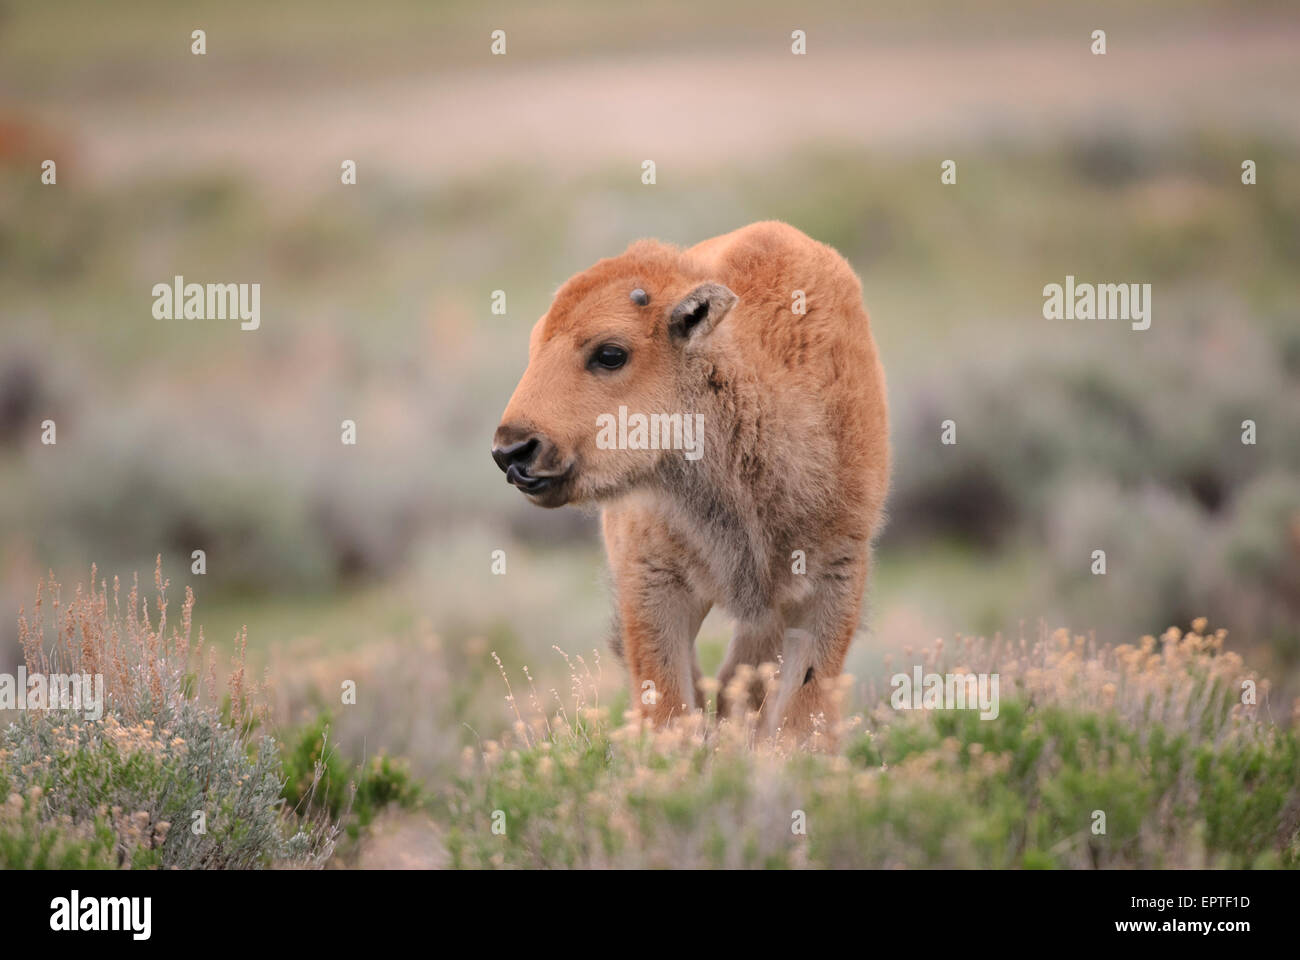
(609, 357)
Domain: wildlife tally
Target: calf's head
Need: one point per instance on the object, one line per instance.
(617, 335)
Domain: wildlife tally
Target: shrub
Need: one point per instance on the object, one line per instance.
(316, 778)
(30, 841)
(163, 758)
(1138, 452)
(1167, 557)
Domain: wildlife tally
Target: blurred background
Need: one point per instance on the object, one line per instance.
(478, 172)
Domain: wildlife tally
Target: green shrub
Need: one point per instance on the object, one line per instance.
(317, 778)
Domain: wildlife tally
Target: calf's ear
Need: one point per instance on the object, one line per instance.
(700, 311)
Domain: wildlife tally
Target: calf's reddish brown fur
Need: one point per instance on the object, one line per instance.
(794, 456)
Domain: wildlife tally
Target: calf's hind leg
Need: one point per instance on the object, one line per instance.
(753, 643)
(813, 651)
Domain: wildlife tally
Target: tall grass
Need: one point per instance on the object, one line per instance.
(1155, 736)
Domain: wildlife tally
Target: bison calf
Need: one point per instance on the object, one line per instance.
(726, 406)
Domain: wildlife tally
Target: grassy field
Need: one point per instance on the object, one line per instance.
(1137, 756)
(372, 564)
(1145, 754)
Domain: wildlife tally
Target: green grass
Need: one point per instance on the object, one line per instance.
(1099, 758)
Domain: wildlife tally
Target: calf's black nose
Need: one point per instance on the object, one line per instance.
(518, 454)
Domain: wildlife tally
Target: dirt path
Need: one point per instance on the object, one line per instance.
(687, 113)
(402, 842)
